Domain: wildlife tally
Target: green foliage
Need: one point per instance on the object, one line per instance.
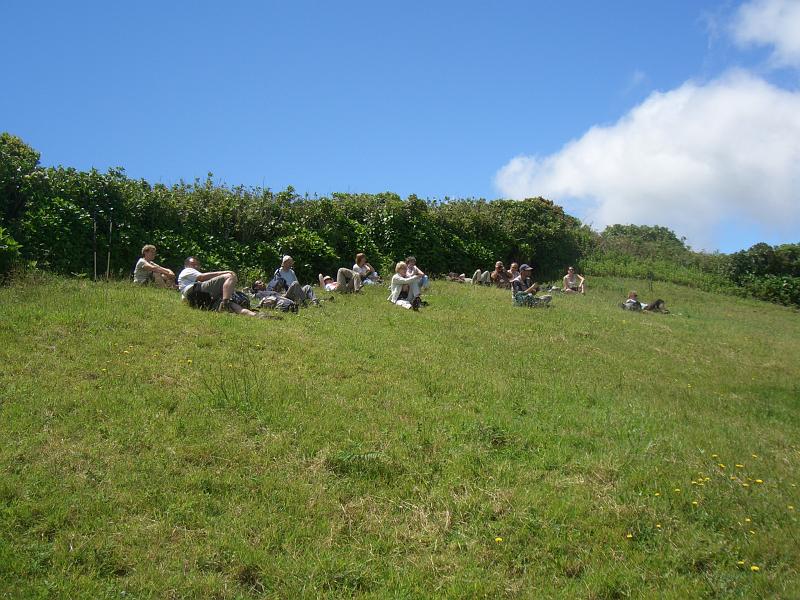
(17, 162)
(9, 253)
(248, 229)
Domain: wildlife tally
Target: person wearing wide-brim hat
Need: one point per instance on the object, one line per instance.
(523, 289)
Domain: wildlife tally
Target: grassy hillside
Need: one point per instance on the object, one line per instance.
(470, 450)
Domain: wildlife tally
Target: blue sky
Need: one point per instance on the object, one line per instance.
(430, 98)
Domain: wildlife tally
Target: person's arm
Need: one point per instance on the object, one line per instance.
(566, 285)
(321, 281)
(397, 278)
(581, 278)
(534, 288)
(212, 274)
(156, 268)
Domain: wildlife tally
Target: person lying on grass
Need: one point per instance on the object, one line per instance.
(369, 276)
(286, 302)
(284, 281)
(523, 289)
(573, 283)
(347, 281)
(146, 271)
(212, 290)
(409, 298)
(633, 303)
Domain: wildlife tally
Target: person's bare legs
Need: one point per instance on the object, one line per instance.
(239, 310)
(228, 286)
(163, 281)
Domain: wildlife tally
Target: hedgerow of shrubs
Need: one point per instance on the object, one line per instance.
(61, 217)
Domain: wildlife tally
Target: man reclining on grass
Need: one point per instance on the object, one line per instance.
(274, 300)
(146, 271)
(632, 303)
(523, 289)
(498, 277)
(347, 280)
(209, 291)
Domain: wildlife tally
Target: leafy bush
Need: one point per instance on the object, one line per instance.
(9, 253)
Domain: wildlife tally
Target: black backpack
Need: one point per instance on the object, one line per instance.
(198, 298)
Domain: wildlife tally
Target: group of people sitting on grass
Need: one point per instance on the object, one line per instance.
(216, 290)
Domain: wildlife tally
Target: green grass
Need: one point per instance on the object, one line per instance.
(362, 450)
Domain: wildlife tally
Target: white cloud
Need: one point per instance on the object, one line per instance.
(690, 159)
(770, 23)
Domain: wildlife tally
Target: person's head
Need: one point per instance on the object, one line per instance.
(327, 279)
(287, 262)
(191, 263)
(632, 295)
(400, 267)
(259, 285)
(570, 270)
(148, 251)
(361, 258)
(498, 266)
(514, 267)
(526, 270)
(411, 261)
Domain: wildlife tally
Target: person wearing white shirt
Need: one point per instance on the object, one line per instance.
(217, 284)
(365, 270)
(409, 299)
(412, 269)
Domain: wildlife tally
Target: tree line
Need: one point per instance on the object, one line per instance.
(59, 218)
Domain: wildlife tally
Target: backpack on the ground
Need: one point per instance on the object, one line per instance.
(197, 298)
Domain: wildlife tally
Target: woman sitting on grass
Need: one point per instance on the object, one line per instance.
(632, 303)
(574, 283)
(409, 299)
(523, 289)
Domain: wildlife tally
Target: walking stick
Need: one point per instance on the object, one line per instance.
(110, 228)
(94, 241)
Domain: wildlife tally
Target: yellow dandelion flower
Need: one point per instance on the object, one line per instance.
(739, 466)
(658, 525)
(754, 455)
(747, 520)
(715, 456)
(707, 479)
(125, 352)
(754, 568)
(733, 478)
(752, 532)
(740, 562)
(104, 370)
(629, 536)
(677, 490)
(188, 361)
(721, 466)
(759, 481)
(745, 485)
(658, 493)
(694, 502)
(790, 507)
(694, 482)
(498, 540)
